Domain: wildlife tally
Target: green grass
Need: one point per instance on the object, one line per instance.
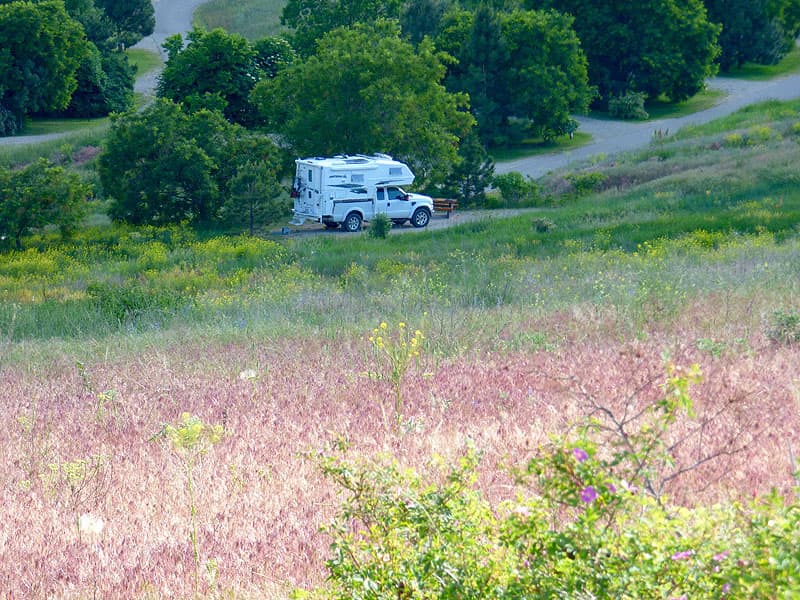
(672, 215)
(253, 19)
(535, 147)
(24, 153)
(660, 109)
(144, 60)
(47, 125)
(751, 71)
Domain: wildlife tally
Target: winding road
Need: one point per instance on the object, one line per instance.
(608, 137)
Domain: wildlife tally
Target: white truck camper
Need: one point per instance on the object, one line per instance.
(348, 190)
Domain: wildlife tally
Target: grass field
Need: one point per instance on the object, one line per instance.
(689, 249)
(253, 19)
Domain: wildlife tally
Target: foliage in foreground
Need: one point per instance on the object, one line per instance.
(589, 521)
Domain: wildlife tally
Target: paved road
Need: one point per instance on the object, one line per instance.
(612, 137)
(172, 16)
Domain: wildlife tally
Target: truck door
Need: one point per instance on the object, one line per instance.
(396, 204)
(382, 202)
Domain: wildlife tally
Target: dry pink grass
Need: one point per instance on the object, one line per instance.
(260, 501)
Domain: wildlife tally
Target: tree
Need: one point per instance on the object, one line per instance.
(423, 17)
(473, 173)
(105, 77)
(524, 65)
(41, 48)
(653, 46)
(163, 165)
(105, 84)
(215, 63)
(367, 90)
(96, 25)
(312, 19)
(760, 31)
(41, 194)
(273, 54)
(255, 196)
(132, 19)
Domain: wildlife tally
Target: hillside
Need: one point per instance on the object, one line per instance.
(685, 253)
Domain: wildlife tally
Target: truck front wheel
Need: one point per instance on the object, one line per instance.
(421, 217)
(352, 222)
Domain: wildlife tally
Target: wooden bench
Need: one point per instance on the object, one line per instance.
(445, 205)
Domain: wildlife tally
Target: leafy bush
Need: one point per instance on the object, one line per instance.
(379, 226)
(516, 190)
(629, 105)
(586, 183)
(589, 520)
(784, 327)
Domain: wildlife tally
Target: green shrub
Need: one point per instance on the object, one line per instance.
(784, 327)
(379, 226)
(588, 520)
(629, 105)
(586, 183)
(516, 190)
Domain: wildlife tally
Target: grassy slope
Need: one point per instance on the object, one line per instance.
(253, 19)
(689, 250)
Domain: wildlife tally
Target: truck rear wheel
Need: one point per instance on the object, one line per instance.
(421, 217)
(352, 222)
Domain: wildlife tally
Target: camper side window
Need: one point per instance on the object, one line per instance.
(357, 178)
(380, 194)
(309, 175)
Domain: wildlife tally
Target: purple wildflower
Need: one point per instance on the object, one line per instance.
(682, 555)
(726, 588)
(588, 494)
(721, 556)
(580, 454)
(611, 488)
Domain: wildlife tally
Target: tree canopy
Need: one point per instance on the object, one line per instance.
(312, 19)
(41, 48)
(132, 19)
(164, 165)
(367, 90)
(521, 64)
(652, 46)
(38, 195)
(760, 31)
(218, 69)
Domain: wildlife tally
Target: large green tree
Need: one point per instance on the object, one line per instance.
(312, 19)
(164, 165)
(219, 69)
(41, 48)
(651, 46)
(212, 62)
(522, 64)
(38, 195)
(760, 31)
(368, 90)
(132, 19)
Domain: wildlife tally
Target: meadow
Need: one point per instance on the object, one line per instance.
(685, 253)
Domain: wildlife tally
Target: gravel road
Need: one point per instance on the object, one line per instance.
(172, 16)
(613, 137)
